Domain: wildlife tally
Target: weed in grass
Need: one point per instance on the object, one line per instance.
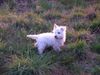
(44, 4)
(3, 12)
(80, 26)
(77, 16)
(77, 45)
(77, 49)
(11, 4)
(95, 47)
(2, 45)
(73, 2)
(85, 35)
(52, 14)
(71, 36)
(67, 59)
(75, 69)
(95, 44)
(96, 70)
(97, 60)
(95, 26)
(35, 18)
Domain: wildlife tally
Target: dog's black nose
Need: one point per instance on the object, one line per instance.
(56, 37)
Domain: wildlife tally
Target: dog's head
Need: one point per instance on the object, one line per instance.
(60, 32)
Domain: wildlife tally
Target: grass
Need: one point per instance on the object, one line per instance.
(78, 49)
(80, 26)
(96, 48)
(52, 14)
(22, 57)
(73, 3)
(95, 26)
(2, 45)
(74, 69)
(96, 70)
(95, 45)
(29, 63)
(77, 45)
(45, 5)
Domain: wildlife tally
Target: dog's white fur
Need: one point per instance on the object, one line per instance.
(56, 39)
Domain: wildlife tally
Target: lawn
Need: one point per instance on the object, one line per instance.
(81, 52)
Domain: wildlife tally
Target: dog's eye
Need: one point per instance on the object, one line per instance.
(58, 32)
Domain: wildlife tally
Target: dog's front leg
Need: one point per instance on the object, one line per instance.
(57, 49)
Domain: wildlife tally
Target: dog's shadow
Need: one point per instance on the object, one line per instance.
(47, 50)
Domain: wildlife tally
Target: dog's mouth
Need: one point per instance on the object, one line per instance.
(58, 37)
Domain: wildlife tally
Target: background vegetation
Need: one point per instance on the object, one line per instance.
(81, 53)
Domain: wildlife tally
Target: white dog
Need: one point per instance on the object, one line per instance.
(55, 39)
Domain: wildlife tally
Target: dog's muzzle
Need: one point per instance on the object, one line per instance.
(58, 37)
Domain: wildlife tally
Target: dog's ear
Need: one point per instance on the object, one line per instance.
(63, 28)
(55, 25)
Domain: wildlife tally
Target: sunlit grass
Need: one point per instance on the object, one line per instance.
(77, 45)
(2, 45)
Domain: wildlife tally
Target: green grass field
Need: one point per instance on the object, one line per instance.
(79, 56)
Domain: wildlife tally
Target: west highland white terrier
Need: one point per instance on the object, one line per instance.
(54, 39)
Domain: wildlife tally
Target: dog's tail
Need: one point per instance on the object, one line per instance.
(32, 36)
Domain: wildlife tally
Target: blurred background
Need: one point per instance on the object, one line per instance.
(81, 53)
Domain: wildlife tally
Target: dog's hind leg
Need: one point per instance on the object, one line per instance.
(41, 48)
